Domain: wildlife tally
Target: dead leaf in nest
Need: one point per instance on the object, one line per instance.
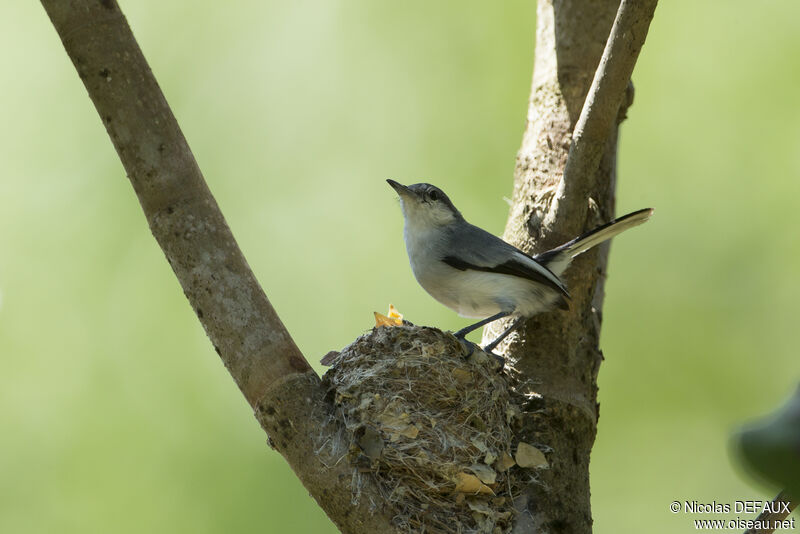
(393, 421)
(489, 458)
(329, 358)
(410, 432)
(485, 524)
(479, 444)
(371, 443)
(392, 318)
(382, 320)
(530, 456)
(504, 463)
(480, 507)
(485, 473)
(397, 423)
(466, 483)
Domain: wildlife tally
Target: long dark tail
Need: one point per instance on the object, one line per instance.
(559, 258)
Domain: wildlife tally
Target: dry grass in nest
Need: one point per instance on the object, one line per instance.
(430, 427)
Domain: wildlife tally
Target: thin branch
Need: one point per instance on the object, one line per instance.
(784, 504)
(601, 107)
(245, 329)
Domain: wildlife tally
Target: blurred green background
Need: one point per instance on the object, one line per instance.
(117, 416)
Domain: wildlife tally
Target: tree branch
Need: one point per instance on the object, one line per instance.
(184, 218)
(246, 331)
(566, 164)
(601, 108)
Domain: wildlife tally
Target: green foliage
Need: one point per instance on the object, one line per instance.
(116, 414)
(769, 448)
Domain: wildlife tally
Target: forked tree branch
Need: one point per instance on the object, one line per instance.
(244, 328)
(183, 216)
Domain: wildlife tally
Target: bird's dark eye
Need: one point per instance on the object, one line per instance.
(433, 194)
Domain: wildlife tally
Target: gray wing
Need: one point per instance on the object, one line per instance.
(476, 249)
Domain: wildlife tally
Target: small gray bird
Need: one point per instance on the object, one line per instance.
(479, 275)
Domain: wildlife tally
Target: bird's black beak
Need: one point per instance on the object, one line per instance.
(400, 188)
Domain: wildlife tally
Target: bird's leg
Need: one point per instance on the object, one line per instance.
(467, 329)
(490, 347)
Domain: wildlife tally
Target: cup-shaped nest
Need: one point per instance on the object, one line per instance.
(431, 425)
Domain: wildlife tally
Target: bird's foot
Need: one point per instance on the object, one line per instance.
(469, 349)
(461, 334)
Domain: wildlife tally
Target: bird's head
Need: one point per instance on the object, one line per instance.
(425, 205)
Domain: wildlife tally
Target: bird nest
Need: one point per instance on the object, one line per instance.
(431, 427)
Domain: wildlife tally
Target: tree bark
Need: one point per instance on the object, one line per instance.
(563, 185)
(247, 333)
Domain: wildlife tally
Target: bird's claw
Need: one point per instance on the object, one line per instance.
(469, 350)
